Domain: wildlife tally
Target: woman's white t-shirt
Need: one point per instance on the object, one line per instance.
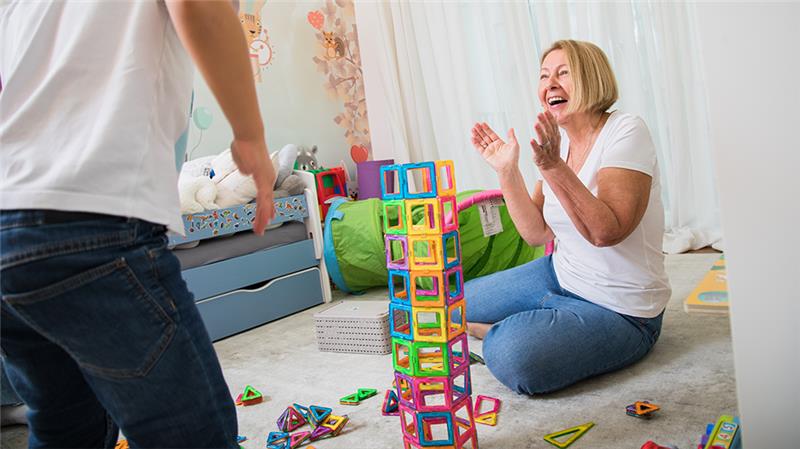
(629, 277)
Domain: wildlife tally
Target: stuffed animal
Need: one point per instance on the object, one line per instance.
(215, 182)
(307, 159)
(196, 189)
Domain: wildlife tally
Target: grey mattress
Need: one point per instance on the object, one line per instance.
(222, 248)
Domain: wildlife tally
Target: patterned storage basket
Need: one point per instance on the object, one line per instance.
(358, 327)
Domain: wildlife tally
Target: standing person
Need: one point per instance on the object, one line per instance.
(597, 303)
(98, 329)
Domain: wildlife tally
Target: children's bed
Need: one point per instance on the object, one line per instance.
(241, 280)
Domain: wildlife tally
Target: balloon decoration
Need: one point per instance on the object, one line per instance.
(316, 19)
(359, 153)
(202, 117)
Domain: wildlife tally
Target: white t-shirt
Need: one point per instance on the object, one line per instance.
(94, 97)
(629, 277)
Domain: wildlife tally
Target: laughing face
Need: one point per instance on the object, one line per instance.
(555, 84)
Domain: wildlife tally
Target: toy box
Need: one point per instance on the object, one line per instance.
(358, 327)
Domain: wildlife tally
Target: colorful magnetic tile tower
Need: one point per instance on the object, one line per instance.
(427, 310)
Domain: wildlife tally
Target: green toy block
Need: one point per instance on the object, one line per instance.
(250, 393)
(430, 359)
(364, 393)
(403, 356)
(394, 217)
(351, 399)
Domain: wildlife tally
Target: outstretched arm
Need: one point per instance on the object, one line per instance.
(213, 36)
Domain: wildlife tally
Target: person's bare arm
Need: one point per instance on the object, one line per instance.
(611, 216)
(212, 34)
(525, 210)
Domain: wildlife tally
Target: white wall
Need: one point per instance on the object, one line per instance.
(750, 53)
(295, 106)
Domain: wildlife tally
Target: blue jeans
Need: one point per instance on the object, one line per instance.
(100, 334)
(545, 338)
(7, 394)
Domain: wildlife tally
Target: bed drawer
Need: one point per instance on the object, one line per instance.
(221, 277)
(239, 310)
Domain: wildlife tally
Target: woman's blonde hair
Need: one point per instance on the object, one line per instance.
(595, 84)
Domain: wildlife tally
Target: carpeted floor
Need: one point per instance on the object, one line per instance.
(689, 374)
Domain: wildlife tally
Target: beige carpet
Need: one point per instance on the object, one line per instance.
(689, 374)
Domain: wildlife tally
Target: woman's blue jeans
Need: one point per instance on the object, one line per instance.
(545, 338)
(99, 333)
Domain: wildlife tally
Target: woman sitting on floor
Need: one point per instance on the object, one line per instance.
(596, 304)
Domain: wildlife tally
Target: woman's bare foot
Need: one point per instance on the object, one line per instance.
(478, 330)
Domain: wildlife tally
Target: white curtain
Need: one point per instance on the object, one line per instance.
(432, 69)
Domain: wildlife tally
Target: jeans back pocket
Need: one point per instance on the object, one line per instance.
(103, 317)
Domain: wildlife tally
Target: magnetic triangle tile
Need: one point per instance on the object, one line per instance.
(240, 438)
(490, 419)
(479, 401)
(250, 393)
(390, 403)
(351, 399)
(295, 420)
(645, 407)
(320, 432)
(318, 414)
(575, 432)
(364, 393)
(276, 437)
(283, 420)
(238, 400)
(297, 439)
(303, 410)
(335, 423)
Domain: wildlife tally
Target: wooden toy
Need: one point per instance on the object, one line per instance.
(575, 432)
(430, 352)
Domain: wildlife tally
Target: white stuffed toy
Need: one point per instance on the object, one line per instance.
(196, 189)
(214, 182)
(233, 187)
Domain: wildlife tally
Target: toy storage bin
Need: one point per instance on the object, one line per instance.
(358, 327)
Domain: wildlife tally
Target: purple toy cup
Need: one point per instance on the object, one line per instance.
(369, 178)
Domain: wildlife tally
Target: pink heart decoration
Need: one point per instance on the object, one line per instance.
(316, 19)
(359, 153)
